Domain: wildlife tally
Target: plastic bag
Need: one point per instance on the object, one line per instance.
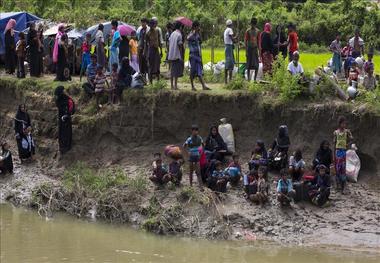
(352, 166)
(227, 133)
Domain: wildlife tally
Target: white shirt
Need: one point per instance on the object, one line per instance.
(295, 70)
(227, 33)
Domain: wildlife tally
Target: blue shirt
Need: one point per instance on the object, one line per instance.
(194, 144)
(284, 186)
(218, 174)
(115, 40)
(91, 71)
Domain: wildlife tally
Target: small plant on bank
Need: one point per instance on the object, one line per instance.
(158, 85)
(237, 83)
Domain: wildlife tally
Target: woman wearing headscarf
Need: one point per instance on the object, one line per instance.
(259, 156)
(22, 121)
(215, 147)
(64, 119)
(280, 147)
(280, 42)
(60, 33)
(324, 156)
(10, 47)
(267, 49)
(63, 72)
(34, 47)
(99, 39)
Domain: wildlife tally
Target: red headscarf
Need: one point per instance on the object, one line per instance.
(268, 27)
(10, 25)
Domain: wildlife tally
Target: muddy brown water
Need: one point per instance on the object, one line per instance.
(26, 237)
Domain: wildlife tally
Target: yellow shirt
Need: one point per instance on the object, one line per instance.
(133, 46)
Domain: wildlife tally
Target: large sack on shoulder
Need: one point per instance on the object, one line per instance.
(173, 151)
(352, 165)
(227, 133)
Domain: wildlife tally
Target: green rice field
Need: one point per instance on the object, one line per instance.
(309, 61)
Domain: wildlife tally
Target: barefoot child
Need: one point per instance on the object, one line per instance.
(100, 85)
(234, 171)
(193, 143)
(175, 171)
(159, 175)
(27, 145)
(261, 196)
(342, 138)
(218, 180)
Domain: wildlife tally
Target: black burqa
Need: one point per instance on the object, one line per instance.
(34, 63)
(22, 121)
(123, 48)
(323, 156)
(282, 142)
(10, 52)
(214, 144)
(6, 166)
(62, 62)
(64, 120)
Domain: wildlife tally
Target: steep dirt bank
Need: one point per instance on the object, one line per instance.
(122, 135)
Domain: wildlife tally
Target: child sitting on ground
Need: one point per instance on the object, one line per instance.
(156, 156)
(250, 183)
(320, 190)
(100, 85)
(369, 80)
(296, 165)
(261, 196)
(285, 191)
(27, 145)
(159, 175)
(234, 171)
(6, 162)
(354, 73)
(259, 156)
(218, 180)
(175, 171)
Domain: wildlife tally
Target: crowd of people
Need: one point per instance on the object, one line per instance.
(216, 167)
(141, 51)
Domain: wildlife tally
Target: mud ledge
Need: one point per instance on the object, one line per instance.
(127, 134)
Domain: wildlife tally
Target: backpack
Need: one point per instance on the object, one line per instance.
(71, 106)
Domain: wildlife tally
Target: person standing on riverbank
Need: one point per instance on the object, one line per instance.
(22, 121)
(251, 41)
(21, 54)
(342, 138)
(175, 55)
(193, 143)
(336, 48)
(66, 108)
(229, 39)
(195, 57)
(267, 49)
(154, 49)
(99, 39)
(114, 49)
(357, 45)
(292, 41)
(10, 47)
(141, 36)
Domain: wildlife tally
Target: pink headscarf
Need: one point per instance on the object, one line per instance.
(268, 27)
(10, 25)
(56, 42)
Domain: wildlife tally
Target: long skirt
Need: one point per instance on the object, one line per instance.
(340, 165)
(337, 63)
(267, 58)
(176, 68)
(154, 61)
(10, 60)
(143, 64)
(86, 60)
(229, 57)
(101, 56)
(135, 63)
(34, 63)
(252, 58)
(114, 58)
(64, 135)
(196, 67)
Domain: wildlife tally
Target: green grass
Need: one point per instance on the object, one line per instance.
(309, 61)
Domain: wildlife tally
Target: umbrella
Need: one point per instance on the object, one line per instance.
(106, 31)
(126, 29)
(184, 21)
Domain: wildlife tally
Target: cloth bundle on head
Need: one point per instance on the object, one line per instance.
(229, 22)
(11, 24)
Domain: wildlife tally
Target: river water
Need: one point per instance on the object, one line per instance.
(26, 237)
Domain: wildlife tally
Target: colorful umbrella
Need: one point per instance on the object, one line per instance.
(126, 29)
(184, 21)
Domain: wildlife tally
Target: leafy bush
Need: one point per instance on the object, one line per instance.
(283, 82)
(158, 85)
(237, 83)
